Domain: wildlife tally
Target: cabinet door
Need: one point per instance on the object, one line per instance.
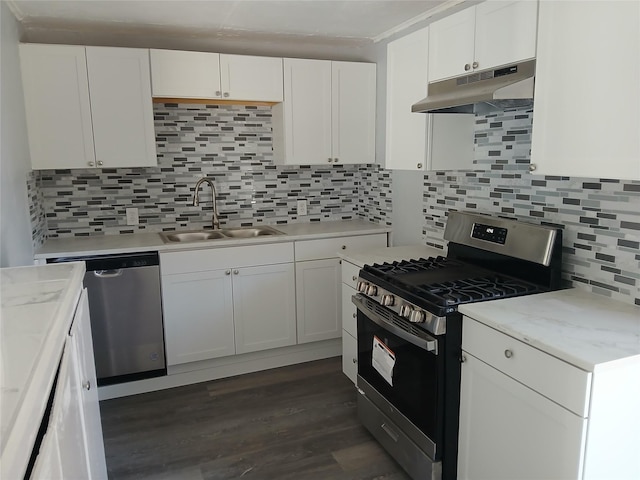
(246, 77)
(318, 300)
(264, 307)
(451, 45)
(120, 89)
(92, 426)
(198, 316)
(509, 431)
(56, 94)
(586, 121)
(353, 112)
(67, 418)
(306, 112)
(505, 32)
(180, 74)
(406, 84)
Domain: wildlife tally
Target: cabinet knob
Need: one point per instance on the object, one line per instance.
(355, 360)
(354, 315)
(467, 67)
(87, 385)
(218, 93)
(354, 278)
(236, 272)
(100, 163)
(91, 164)
(335, 160)
(463, 358)
(344, 247)
(532, 167)
(419, 165)
(329, 159)
(508, 353)
(227, 272)
(226, 94)
(474, 64)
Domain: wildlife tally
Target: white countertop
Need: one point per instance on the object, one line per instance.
(146, 242)
(38, 304)
(582, 328)
(390, 254)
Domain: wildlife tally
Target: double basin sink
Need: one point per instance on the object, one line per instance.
(222, 234)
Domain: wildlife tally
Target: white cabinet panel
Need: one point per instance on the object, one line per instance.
(264, 307)
(182, 74)
(509, 431)
(329, 247)
(198, 316)
(246, 77)
(349, 310)
(318, 300)
(587, 100)
(353, 110)
(485, 36)
(48, 466)
(328, 113)
(349, 356)
(120, 89)
(57, 106)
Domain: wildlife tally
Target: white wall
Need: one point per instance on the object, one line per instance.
(15, 225)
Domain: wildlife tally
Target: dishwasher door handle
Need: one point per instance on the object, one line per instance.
(108, 273)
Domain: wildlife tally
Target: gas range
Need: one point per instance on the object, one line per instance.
(409, 331)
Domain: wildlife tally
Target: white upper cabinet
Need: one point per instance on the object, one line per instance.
(418, 141)
(56, 94)
(185, 74)
(121, 109)
(586, 120)
(328, 113)
(88, 106)
(251, 78)
(181, 74)
(488, 35)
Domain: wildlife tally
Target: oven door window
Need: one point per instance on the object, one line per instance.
(413, 389)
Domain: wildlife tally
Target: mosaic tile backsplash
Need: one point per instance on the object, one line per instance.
(232, 145)
(600, 217)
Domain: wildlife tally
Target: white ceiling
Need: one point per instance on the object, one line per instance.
(351, 21)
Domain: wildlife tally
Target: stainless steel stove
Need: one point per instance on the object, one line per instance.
(410, 331)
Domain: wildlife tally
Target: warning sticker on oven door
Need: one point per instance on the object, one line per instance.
(383, 360)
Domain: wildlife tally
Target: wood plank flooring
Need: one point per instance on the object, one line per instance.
(296, 422)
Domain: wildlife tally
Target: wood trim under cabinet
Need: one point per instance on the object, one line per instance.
(212, 101)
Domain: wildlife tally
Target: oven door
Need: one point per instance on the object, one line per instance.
(400, 370)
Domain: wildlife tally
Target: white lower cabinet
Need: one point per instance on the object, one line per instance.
(527, 414)
(509, 431)
(73, 446)
(227, 301)
(318, 306)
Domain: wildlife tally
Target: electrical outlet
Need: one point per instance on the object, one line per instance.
(132, 216)
(302, 207)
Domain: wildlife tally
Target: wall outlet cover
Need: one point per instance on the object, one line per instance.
(302, 207)
(132, 216)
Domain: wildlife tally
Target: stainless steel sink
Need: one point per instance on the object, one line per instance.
(226, 233)
(249, 232)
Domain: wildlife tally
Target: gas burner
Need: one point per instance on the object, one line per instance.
(410, 266)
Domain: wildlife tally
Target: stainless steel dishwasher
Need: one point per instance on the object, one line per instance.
(126, 315)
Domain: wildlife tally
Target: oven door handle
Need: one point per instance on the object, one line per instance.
(427, 342)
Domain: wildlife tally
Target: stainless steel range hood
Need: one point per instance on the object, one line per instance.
(481, 92)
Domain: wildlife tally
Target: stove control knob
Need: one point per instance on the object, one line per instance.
(417, 316)
(361, 286)
(387, 300)
(372, 290)
(405, 311)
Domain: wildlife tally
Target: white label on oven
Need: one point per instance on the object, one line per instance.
(383, 360)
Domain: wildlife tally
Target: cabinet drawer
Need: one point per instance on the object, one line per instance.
(349, 310)
(350, 273)
(557, 380)
(330, 247)
(189, 261)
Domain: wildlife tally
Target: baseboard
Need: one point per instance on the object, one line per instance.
(197, 372)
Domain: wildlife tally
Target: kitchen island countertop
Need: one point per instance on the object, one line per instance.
(582, 328)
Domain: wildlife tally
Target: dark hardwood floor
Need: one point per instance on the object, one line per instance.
(296, 422)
